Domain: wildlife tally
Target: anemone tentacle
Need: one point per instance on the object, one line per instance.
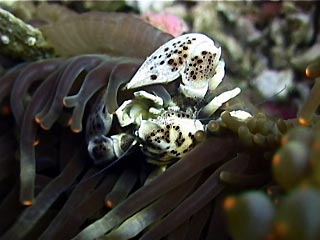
(29, 75)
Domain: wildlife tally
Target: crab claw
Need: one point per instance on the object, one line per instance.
(169, 61)
(217, 101)
(104, 149)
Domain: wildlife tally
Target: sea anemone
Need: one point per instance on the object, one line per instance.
(306, 113)
(69, 189)
(288, 207)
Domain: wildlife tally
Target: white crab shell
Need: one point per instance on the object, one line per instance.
(168, 137)
(192, 56)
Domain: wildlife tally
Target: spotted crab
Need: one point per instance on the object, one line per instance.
(165, 124)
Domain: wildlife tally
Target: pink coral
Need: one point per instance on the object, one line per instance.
(167, 22)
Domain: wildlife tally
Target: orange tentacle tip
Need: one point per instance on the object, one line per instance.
(302, 121)
(44, 127)
(75, 130)
(280, 229)
(229, 203)
(27, 203)
(65, 103)
(36, 142)
(276, 159)
(269, 191)
(37, 120)
(316, 145)
(313, 70)
(308, 73)
(283, 140)
(5, 110)
(108, 203)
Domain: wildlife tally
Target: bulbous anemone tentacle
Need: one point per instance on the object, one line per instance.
(28, 138)
(121, 189)
(94, 81)
(195, 201)
(30, 74)
(71, 73)
(86, 34)
(105, 74)
(47, 99)
(7, 81)
(154, 212)
(7, 150)
(308, 109)
(46, 198)
(86, 206)
(121, 74)
(170, 179)
(101, 148)
(76, 202)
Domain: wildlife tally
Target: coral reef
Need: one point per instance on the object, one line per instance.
(265, 44)
(21, 40)
(246, 179)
